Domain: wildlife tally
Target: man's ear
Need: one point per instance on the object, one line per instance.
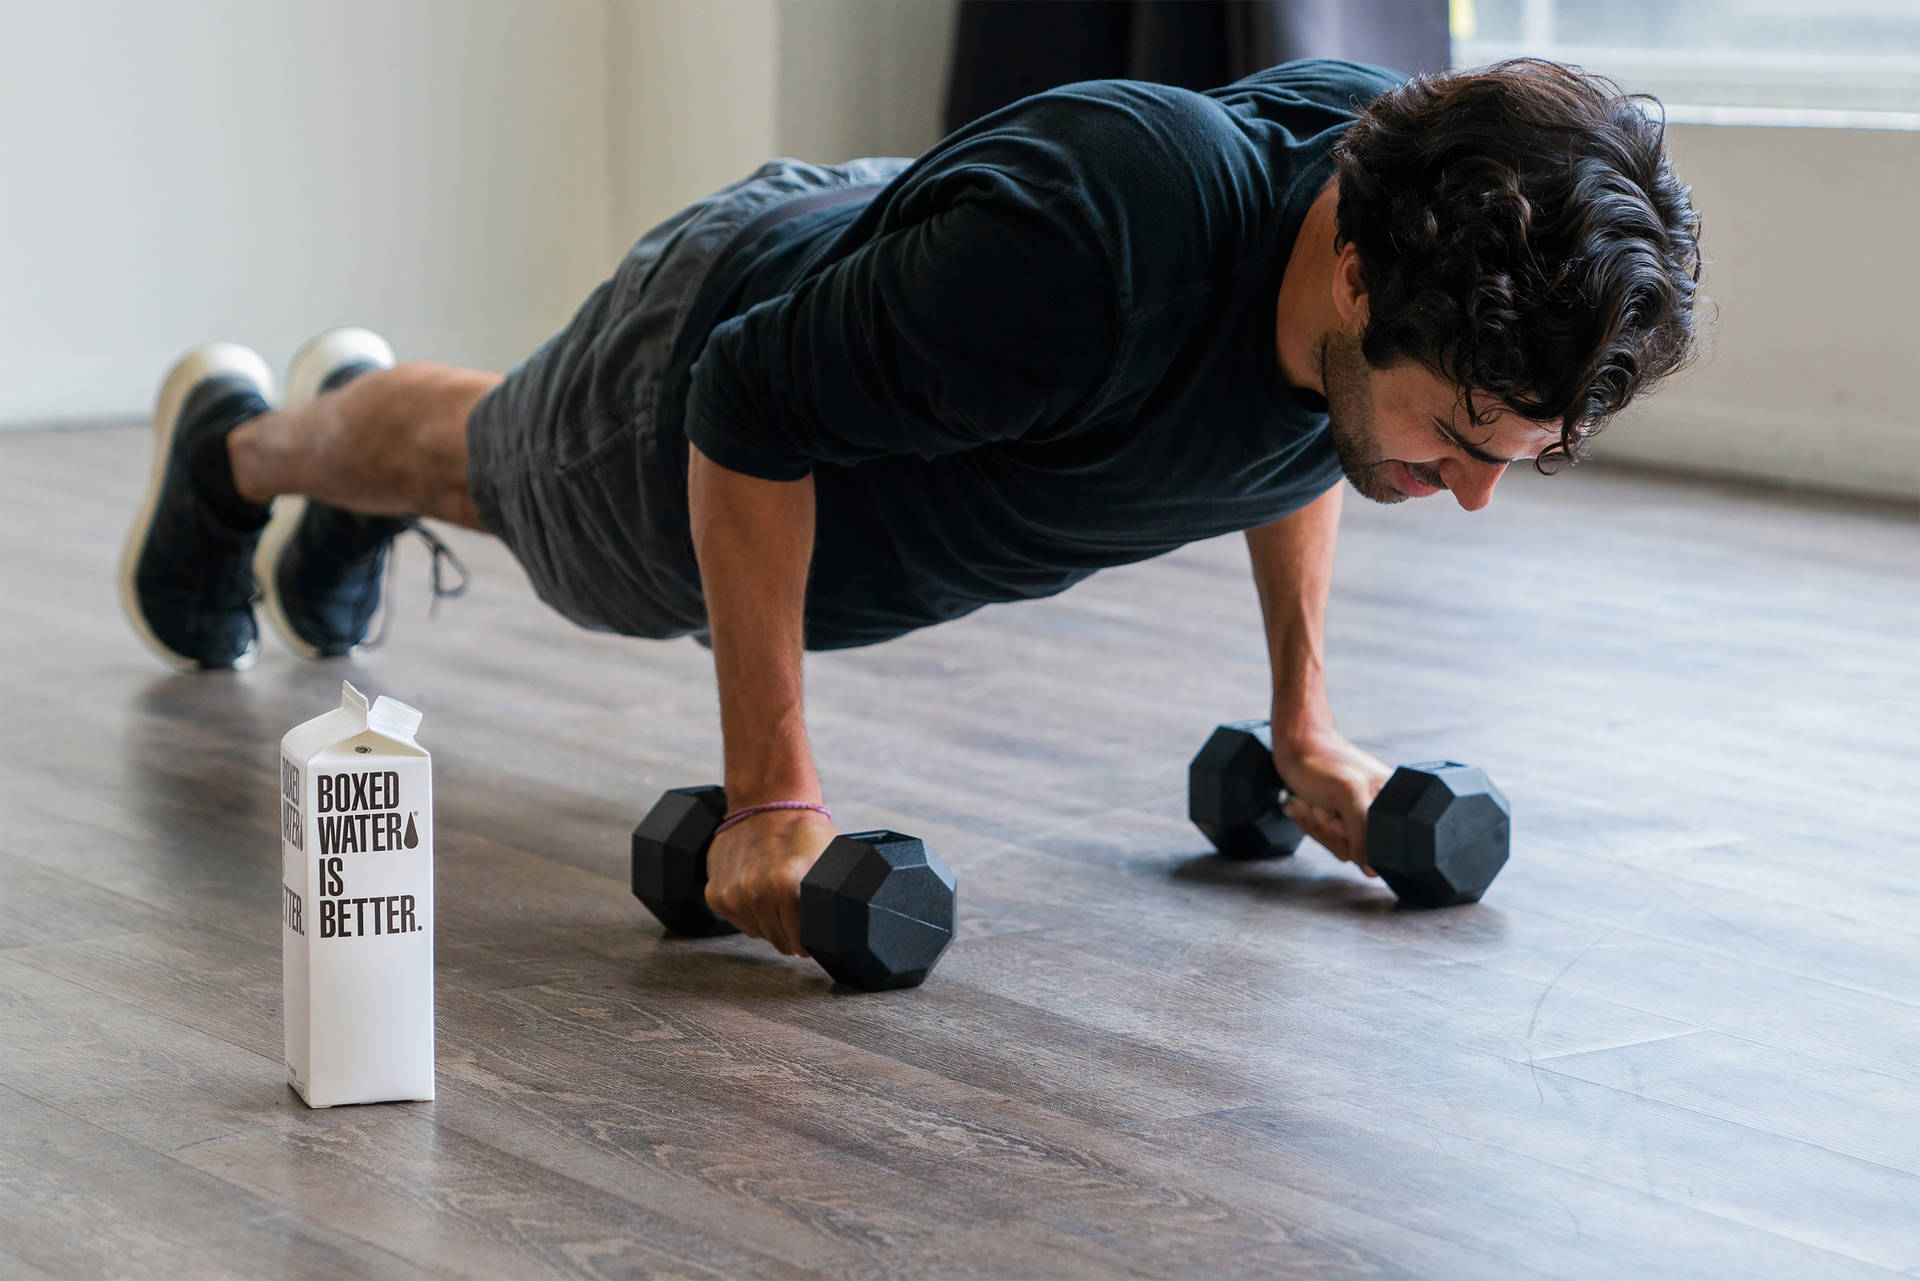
(1349, 287)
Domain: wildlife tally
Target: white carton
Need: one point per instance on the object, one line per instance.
(356, 850)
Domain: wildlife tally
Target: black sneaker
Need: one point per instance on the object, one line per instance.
(320, 567)
(186, 573)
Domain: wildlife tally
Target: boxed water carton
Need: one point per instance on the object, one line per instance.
(356, 849)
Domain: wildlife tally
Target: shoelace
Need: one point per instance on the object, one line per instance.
(442, 557)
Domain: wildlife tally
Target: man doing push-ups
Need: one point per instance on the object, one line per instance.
(828, 405)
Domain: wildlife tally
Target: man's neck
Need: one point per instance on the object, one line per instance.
(1305, 310)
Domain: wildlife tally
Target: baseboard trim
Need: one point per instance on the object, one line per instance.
(1841, 454)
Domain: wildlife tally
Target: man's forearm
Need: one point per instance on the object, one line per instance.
(753, 539)
(1293, 572)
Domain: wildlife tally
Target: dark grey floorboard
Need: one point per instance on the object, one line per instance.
(77, 1201)
(1681, 1037)
(427, 1193)
(1850, 1110)
(164, 1082)
(1681, 1156)
(15, 1268)
(1546, 1219)
(45, 906)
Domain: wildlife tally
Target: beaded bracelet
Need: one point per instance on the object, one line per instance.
(751, 810)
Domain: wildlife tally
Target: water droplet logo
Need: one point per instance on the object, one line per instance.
(412, 838)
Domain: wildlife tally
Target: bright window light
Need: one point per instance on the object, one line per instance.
(1821, 62)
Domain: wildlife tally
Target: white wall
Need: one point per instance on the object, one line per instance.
(692, 104)
(1814, 373)
(178, 171)
(705, 90)
(455, 173)
(862, 77)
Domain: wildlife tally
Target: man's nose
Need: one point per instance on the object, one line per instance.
(1472, 482)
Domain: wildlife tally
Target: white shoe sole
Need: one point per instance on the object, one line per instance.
(320, 355)
(201, 363)
(317, 358)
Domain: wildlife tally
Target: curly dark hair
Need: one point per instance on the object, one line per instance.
(1522, 236)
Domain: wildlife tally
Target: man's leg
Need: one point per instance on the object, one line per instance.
(391, 442)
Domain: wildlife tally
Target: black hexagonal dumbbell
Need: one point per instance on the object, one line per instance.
(876, 908)
(1233, 794)
(1437, 833)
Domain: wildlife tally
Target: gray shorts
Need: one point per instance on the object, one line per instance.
(566, 460)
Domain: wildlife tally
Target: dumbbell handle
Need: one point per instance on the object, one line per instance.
(1437, 832)
(1284, 793)
(694, 917)
(876, 908)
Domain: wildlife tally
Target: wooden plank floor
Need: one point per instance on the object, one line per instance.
(1681, 1037)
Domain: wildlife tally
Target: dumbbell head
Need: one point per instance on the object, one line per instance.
(1233, 794)
(1438, 833)
(877, 910)
(670, 859)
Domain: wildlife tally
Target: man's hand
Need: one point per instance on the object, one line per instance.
(754, 870)
(1333, 782)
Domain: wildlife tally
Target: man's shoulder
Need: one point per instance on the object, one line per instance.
(1168, 185)
(1073, 134)
(1148, 142)
(1332, 84)
(1059, 137)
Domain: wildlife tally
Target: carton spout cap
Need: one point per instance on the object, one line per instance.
(393, 718)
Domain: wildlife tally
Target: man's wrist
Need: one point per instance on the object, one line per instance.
(767, 756)
(1297, 721)
(745, 813)
(744, 793)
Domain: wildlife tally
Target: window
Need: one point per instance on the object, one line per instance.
(1811, 61)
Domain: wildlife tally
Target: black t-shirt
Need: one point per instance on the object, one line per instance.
(1046, 347)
